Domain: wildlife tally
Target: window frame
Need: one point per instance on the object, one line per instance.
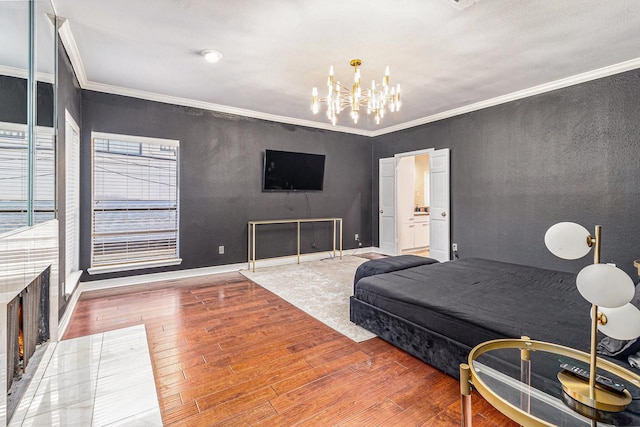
(72, 268)
(127, 266)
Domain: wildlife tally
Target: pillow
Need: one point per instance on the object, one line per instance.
(621, 348)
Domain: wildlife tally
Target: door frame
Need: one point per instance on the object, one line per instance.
(397, 157)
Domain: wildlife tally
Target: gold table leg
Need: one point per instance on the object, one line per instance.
(298, 242)
(465, 395)
(254, 248)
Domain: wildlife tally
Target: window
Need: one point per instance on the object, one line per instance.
(72, 202)
(135, 203)
(14, 176)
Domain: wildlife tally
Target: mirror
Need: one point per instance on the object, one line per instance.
(14, 62)
(44, 179)
(27, 177)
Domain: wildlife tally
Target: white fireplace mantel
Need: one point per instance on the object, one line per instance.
(24, 255)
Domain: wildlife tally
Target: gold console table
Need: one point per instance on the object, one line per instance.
(251, 235)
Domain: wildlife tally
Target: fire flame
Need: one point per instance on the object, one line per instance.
(20, 333)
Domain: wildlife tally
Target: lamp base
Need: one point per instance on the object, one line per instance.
(605, 400)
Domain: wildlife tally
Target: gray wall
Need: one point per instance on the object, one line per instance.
(221, 176)
(13, 108)
(569, 155)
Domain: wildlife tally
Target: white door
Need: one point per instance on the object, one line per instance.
(439, 218)
(72, 197)
(387, 206)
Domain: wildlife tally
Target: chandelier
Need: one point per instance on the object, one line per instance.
(375, 99)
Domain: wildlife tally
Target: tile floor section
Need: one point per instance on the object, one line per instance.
(97, 380)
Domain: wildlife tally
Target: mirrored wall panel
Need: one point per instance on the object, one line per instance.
(27, 113)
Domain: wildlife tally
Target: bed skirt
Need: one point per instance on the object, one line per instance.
(431, 347)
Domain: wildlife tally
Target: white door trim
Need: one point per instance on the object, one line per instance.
(397, 157)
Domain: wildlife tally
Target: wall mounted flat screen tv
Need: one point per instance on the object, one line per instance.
(289, 171)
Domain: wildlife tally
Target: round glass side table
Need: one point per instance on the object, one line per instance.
(519, 377)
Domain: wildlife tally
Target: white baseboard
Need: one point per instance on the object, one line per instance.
(194, 272)
(63, 323)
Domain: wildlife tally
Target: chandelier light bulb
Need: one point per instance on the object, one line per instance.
(374, 99)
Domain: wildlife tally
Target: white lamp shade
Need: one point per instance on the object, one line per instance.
(623, 323)
(567, 240)
(605, 285)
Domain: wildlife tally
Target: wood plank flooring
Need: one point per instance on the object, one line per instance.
(225, 351)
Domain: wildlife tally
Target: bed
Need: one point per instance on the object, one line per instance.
(439, 311)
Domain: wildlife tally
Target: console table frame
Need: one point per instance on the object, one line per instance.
(251, 236)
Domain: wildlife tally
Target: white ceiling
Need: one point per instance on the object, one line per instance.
(446, 60)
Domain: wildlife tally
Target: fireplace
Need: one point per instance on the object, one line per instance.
(28, 284)
(27, 327)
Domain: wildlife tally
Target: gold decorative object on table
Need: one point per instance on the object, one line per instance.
(609, 290)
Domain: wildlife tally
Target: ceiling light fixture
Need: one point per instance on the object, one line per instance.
(375, 99)
(212, 56)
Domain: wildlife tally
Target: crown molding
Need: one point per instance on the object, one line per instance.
(76, 61)
(69, 43)
(6, 70)
(168, 99)
(514, 96)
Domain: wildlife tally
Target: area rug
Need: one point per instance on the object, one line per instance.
(319, 288)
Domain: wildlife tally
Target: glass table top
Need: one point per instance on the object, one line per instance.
(532, 388)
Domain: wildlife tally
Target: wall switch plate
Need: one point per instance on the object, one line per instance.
(221, 250)
(454, 247)
(357, 236)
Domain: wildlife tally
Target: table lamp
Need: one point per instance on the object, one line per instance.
(609, 290)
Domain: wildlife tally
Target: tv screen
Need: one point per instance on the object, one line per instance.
(288, 171)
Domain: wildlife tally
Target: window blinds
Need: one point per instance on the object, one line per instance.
(14, 176)
(135, 200)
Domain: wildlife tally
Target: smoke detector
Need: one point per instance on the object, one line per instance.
(461, 4)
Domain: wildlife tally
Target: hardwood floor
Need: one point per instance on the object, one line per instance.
(225, 351)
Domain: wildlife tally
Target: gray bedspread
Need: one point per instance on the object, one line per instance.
(474, 300)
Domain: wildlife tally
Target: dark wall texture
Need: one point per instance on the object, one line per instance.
(568, 155)
(13, 108)
(220, 171)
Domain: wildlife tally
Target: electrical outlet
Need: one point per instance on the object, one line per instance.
(454, 247)
(357, 237)
(221, 250)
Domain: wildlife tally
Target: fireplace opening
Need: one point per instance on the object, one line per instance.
(27, 329)
(20, 334)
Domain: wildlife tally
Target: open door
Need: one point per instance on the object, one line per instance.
(440, 220)
(387, 206)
